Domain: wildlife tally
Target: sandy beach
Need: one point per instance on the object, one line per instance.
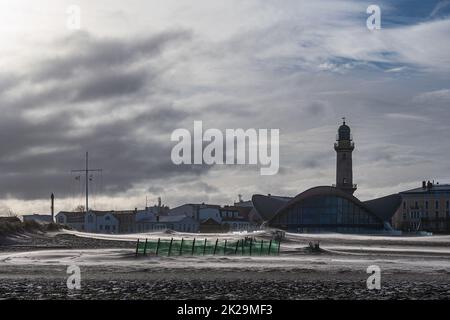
(35, 267)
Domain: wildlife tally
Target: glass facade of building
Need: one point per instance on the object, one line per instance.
(326, 213)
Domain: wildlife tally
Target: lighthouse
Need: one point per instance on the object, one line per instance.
(344, 147)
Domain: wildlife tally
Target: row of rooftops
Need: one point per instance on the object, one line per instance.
(429, 187)
(164, 215)
(243, 207)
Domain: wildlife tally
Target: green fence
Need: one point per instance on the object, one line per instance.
(172, 247)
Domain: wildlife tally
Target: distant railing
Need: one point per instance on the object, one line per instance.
(354, 186)
(172, 247)
(350, 145)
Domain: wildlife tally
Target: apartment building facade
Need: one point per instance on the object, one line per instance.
(424, 209)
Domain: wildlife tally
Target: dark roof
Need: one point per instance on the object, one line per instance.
(210, 221)
(37, 215)
(113, 212)
(241, 219)
(72, 213)
(384, 207)
(436, 188)
(242, 211)
(163, 219)
(322, 191)
(268, 205)
(202, 205)
(10, 219)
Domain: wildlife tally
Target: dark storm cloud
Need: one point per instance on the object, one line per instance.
(111, 85)
(39, 151)
(88, 53)
(89, 69)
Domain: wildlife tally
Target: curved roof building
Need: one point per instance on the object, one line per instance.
(327, 209)
(330, 208)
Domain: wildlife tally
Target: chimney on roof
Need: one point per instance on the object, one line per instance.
(429, 185)
(424, 184)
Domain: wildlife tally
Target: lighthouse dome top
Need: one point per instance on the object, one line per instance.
(344, 132)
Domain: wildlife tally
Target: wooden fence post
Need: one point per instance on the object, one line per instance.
(215, 247)
(145, 247)
(237, 246)
(181, 247)
(251, 243)
(225, 248)
(157, 246)
(204, 247)
(137, 248)
(261, 249)
(279, 244)
(170, 247)
(193, 246)
(270, 246)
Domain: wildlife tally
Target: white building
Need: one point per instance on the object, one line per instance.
(74, 220)
(199, 212)
(109, 222)
(237, 224)
(101, 222)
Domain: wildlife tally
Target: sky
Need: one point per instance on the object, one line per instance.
(136, 71)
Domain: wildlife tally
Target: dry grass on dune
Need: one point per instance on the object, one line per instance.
(10, 228)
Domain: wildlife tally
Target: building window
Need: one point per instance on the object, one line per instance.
(101, 227)
(404, 204)
(447, 204)
(416, 205)
(437, 204)
(426, 204)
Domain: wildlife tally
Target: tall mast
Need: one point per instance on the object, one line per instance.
(86, 172)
